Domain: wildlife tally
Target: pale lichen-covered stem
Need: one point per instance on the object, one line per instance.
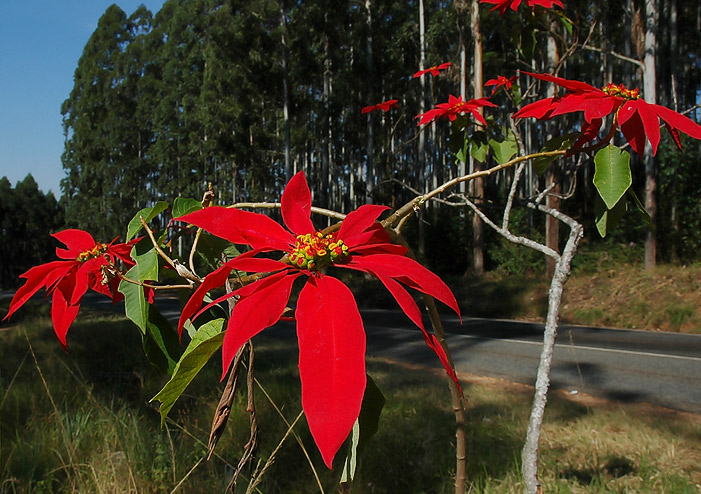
(529, 457)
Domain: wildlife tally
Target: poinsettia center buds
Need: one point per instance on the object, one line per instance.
(621, 91)
(314, 251)
(96, 251)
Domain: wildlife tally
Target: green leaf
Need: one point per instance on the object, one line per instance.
(479, 146)
(146, 258)
(516, 94)
(211, 248)
(566, 21)
(612, 176)
(527, 43)
(183, 206)
(148, 214)
(456, 142)
(555, 144)
(207, 340)
(606, 219)
(135, 305)
(505, 149)
(365, 427)
(641, 209)
(161, 343)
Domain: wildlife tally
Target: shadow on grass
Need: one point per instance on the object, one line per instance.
(102, 386)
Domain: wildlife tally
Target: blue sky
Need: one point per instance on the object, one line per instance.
(40, 44)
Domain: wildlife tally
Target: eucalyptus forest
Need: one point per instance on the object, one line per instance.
(244, 94)
(405, 141)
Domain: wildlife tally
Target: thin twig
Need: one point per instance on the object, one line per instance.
(271, 458)
(277, 205)
(187, 475)
(59, 419)
(181, 269)
(294, 434)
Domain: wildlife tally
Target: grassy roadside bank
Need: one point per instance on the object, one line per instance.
(619, 296)
(81, 422)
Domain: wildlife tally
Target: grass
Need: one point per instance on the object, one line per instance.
(80, 422)
(621, 295)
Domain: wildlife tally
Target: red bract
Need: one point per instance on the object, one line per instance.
(503, 5)
(454, 107)
(330, 331)
(637, 119)
(68, 280)
(501, 81)
(384, 106)
(434, 71)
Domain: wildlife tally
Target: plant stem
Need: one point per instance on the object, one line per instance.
(529, 456)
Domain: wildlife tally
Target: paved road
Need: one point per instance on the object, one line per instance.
(627, 365)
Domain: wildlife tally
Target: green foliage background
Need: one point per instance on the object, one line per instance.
(164, 103)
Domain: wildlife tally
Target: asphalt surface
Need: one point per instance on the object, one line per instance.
(626, 365)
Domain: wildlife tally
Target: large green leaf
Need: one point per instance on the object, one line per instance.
(135, 305)
(606, 219)
(207, 340)
(160, 342)
(612, 176)
(505, 149)
(479, 146)
(365, 427)
(147, 214)
(185, 205)
(146, 258)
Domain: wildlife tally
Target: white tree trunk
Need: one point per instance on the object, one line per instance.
(650, 95)
(477, 184)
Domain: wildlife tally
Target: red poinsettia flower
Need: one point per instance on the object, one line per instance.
(384, 106)
(434, 71)
(503, 5)
(330, 330)
(639, 121)
(501, 81)
(69, 279)
(454, 107)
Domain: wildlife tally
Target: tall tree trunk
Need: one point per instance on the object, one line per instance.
(326, 126)
(478, 184)
(650, 94)
(285, 93)
(370, 177)
(422, 136)
(461, 9)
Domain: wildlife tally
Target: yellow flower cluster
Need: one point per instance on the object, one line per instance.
(96, 251)
(622, 91)
(314, 251)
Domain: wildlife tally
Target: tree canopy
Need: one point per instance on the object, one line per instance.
(208, 91)
(26, 216)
